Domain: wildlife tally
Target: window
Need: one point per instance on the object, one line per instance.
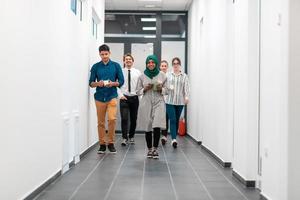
(80, 10)
(74, 6)
(95, 21)
(142, 25)
(173, 25)
(95, 28)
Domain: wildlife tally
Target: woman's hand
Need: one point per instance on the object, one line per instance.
(159, 88)
(148, 87)
(186, 101)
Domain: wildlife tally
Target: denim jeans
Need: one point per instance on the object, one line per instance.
(174, 112)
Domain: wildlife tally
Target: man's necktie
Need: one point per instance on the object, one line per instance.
(129, 77)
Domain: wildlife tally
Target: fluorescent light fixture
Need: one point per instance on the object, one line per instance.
(149, 28)
(150, 0)
(150, 36)
(149, 6)
(148, 19)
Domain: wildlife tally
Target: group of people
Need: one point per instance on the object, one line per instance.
(151, 99)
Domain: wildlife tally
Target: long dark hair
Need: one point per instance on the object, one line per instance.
(177, 59)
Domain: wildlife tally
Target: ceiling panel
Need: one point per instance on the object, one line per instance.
(178, 5)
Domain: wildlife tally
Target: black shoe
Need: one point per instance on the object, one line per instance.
(111, 148)
(149, 154)
(102, 148)
(163, 140)
(155, 154)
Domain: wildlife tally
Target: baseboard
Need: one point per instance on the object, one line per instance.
(246, 183)
(194, 140)
(88, 150)
(262, 197)
(37, 191)
(72, 164)
(219, 160)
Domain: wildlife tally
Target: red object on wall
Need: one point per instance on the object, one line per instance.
(181, 127)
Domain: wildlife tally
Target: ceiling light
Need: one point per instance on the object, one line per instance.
(149, 36)
(149, 6)
(148, 19)
(150, 0)
(149, 28)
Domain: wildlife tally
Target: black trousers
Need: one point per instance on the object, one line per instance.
(156, 136)
(165, 132)
(129, 111)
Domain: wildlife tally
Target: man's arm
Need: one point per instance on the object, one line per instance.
(120, 76)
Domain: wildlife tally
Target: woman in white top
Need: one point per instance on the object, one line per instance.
(164, 68)
(178, 96)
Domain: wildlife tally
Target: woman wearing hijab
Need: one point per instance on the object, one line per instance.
(151, 84)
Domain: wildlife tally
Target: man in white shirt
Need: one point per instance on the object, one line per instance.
(129, 101)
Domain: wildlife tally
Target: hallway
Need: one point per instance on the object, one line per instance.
(242, 60)
(187, 172)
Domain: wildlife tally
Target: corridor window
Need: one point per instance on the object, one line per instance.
(95, 28)
(142, 25)
(80, 7)
(173, 25)
(74, 6)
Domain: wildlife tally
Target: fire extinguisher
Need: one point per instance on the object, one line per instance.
(181, 127)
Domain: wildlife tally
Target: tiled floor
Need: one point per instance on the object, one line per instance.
(186, 173)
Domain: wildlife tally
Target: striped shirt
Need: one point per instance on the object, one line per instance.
(178, 88)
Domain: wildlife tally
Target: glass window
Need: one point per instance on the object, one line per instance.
(81, 10)
(94, 28)
(74, 6)
(173, 25)
(130, 25)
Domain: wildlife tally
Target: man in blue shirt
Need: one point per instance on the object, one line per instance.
(106, 76)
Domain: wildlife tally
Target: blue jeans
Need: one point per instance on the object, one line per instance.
(174, 112)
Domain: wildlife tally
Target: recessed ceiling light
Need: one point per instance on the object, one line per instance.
(148, 19)
(150, 0)
(149, 36)
(149, 6)
(149, 28)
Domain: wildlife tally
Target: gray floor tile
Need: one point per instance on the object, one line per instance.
(186, 173)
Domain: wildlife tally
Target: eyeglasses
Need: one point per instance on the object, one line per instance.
(176, 63)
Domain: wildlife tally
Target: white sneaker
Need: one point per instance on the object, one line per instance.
(124, 142)
(131, 140)
(155, 154)
(149, 154)
(174, 143)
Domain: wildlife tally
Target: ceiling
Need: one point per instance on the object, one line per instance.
(166, 5)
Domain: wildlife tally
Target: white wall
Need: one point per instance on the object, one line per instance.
(246, 88)
(273, 98)
(212, 51)
(46, 55)
(294, 99)
(211, 80)
(196, 43)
